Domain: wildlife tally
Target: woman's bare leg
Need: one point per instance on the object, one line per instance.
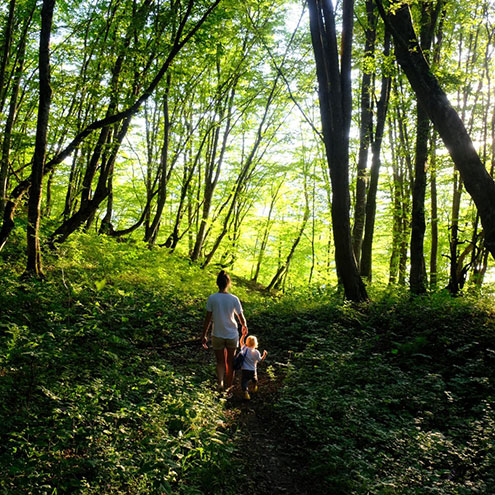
(229, 367)
(220, 357)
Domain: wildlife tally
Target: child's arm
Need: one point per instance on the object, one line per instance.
(241, 342)
(206, 326)
(264, 355)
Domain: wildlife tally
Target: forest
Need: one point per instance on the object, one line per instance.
(336, 157)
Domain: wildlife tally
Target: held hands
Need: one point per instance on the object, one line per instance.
(204, 341)
(244, 330)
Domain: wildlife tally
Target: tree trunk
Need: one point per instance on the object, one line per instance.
(396, 187)
(9, 124)
(476, 179)
(417, 278)
(33, 266)
(434, 217)
(367, 248)
(89, 208)
(454, 234)
(246, 170)
(69, 196)
(152, 234)
(335, 108)
(7, 43)
(213, 167)
(365, 132)
(417, 275)
(173, 238)
(266, 233)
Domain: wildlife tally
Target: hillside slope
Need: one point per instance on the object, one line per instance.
(106, 389)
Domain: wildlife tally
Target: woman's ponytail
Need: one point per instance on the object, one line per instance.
(223, 280)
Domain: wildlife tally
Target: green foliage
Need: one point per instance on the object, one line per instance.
(395, 398)
(98, 395)
(92, 402)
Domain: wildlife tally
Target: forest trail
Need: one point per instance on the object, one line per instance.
(271, 465)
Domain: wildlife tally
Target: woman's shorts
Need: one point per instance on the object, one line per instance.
(218, 343)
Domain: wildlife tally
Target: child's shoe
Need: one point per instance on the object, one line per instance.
(246, 395)
(255, 388)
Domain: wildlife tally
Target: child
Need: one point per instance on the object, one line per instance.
(251, 359)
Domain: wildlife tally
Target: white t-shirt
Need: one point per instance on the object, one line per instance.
(251, 359)
(224, 306)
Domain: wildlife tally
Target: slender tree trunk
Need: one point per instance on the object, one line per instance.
(47, 210)
(367, 247)
(106, 222)
(69, 196)
(396, 215)
(212, 174)
(89, 208)
(5, 53)
(417, 276)
(33, 266)
(246, 171)
(365, 131)
(152, 234)
(434, 216)
(476, 179)
(454, 233)
(335, 108)
(9, 124)
(266, 232)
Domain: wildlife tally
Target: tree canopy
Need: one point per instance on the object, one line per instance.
(195, 126)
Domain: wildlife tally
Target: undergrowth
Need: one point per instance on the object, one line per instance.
(106, 391)
(92, 400)
(396, 398)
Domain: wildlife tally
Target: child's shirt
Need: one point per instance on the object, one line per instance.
(252, 358)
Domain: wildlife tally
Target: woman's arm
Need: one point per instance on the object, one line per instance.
(206, 326)
(243, 323)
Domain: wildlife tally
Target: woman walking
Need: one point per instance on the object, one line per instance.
(221, 310)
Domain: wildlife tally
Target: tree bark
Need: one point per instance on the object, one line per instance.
(89, 208)
(335, 109)
(214, 165)
(33, 266)
(417, 274)
(246, 171)
(266, 232)
(454, 234)
(430, 95)
(284, 267)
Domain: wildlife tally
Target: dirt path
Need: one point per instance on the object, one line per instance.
(268, 463)
(271, 463)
